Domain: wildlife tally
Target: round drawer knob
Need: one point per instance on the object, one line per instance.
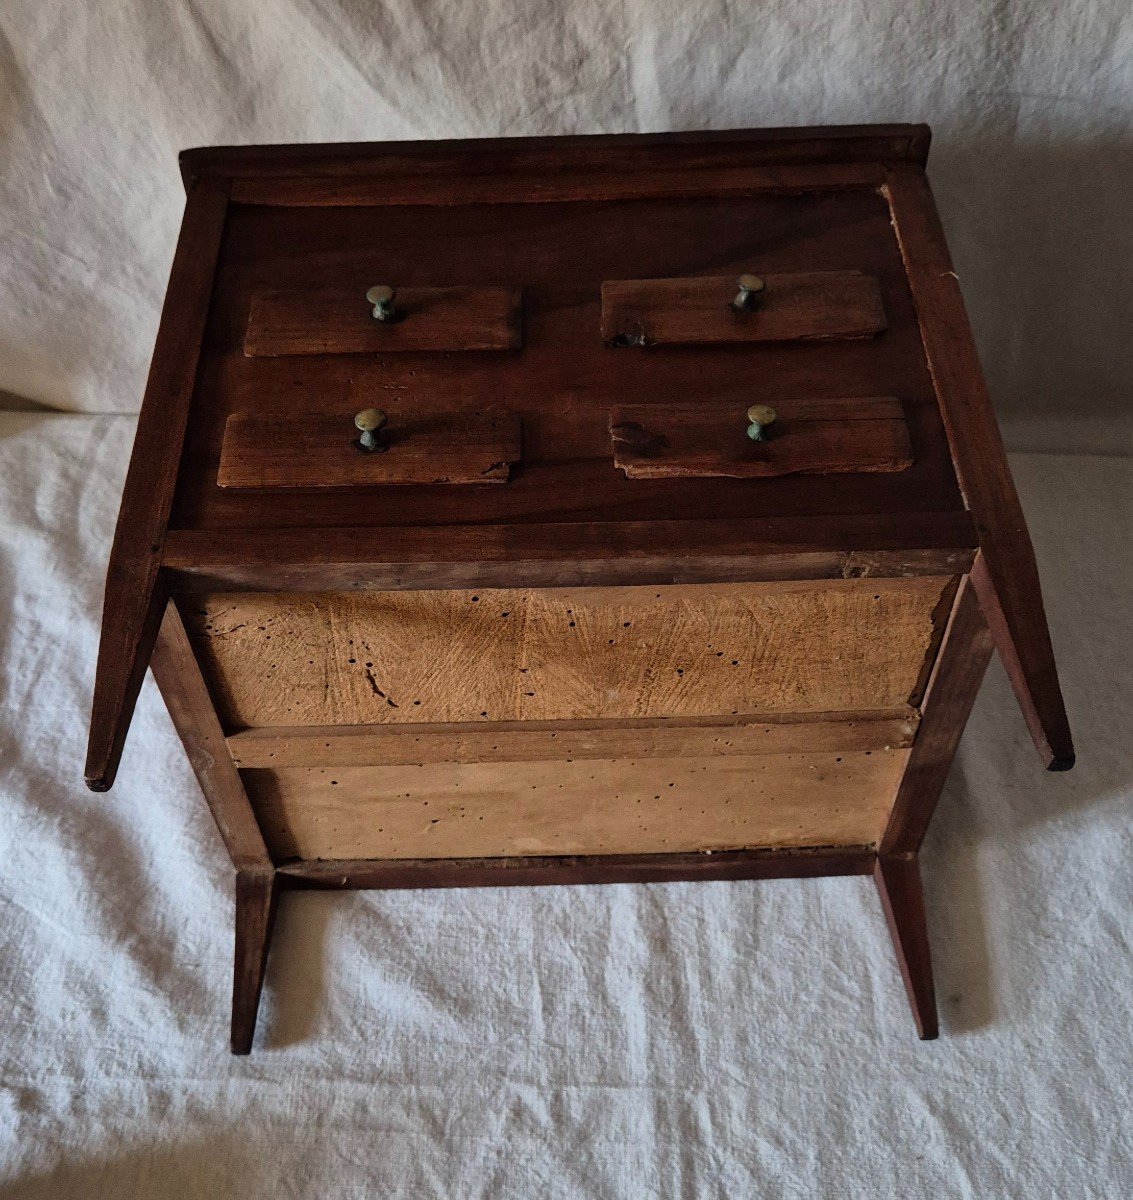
(759, 417)
(370, 422)
(382, 298)
(751, 288)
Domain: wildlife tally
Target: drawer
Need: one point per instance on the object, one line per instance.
(715, 310)
(497, 655)
(580, 806)
(709, 439)
(413, 445)
(343, 320)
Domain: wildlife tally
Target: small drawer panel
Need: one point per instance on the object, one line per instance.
(642, 806)
(323, 450)
(803, 306)
(496, 655)
(341, 321)
(708, 439)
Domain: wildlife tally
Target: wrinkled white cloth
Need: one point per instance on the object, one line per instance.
(715, 1040)
(1033, 161)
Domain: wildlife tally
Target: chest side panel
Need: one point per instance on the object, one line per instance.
(278, 659)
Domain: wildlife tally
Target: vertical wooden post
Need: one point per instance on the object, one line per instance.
(898, 879)
(255, 908)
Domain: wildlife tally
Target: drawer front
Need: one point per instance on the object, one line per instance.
(684, 651)
(708, 439)
(800, 306)
(341, 320)
(416, 445)
(645, 806)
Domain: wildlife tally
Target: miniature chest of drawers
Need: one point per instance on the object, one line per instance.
(568, 510)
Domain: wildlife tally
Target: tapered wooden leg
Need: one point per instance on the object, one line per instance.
(898, 879)
(255, 905)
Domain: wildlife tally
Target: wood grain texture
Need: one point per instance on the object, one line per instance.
(190, 707)
(952, 689)
(533, 871)
(594, 806)
(341, 321)
(798, 306)
(532, 741)
(898, 880)
(569, 554)
(135, 597)
(1007, 577)
(706, 439)
(256, 894)
(610, 154)
(578, 186)
(563, 383)
(422, 447)
(563, 654)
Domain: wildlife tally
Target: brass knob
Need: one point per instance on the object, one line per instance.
(382, 298)
(760, 416)
(751, 287)
(370, 422)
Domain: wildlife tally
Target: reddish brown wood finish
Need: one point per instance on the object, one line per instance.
(702, 439)
(796, 307)
(566, 555)
(610, 154)
(190, 706)
(420, 447)
(135, 597)
(952, 690)
(565, 381)
(898, 880)
(340, 321)
(1007, 579)
(558, 217)
(255, 909)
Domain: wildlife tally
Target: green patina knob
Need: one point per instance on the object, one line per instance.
(382, 298)
(370, 422)
(751, 288)
(760, 416)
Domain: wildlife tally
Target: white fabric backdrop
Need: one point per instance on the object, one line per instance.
(1033, 164)
(682, 1041)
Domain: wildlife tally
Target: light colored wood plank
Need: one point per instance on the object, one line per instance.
(342, 322)
(800, 306)
(597, 806)
(321, 450)
(708, 439)
(563, 654)
(511, 741)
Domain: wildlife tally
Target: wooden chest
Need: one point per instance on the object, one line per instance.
(559, 510)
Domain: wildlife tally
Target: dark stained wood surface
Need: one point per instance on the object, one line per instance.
(952, 690)
(341, 321)
(190, 706)
(574, 554)
(1007, 578)
(898, 880)
(606, 868)
(322, 451)
(564, 381)
(800, 306)
(610, 153)
(702, 439)
(135, 598)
